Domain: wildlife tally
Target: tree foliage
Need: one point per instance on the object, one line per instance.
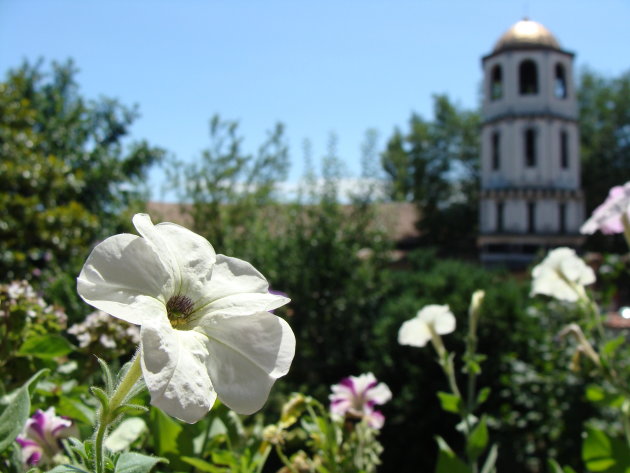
(327, 256)
(67, 176)
(436, 165)
(605, 133)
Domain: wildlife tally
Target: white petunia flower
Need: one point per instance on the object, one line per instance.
(432, 318)
(562, 275)
(205, 325)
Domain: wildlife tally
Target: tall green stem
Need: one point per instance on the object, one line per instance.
(108, 414)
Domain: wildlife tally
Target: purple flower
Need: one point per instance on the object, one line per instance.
(608, 217)
(356, 396)
(42, 432)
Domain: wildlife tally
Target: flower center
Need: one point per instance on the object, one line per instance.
(178, 308)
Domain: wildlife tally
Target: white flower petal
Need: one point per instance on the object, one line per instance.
(189, 256)
(439, 317)
(445, 323)
(561, 274)
(239, 289)
(247, 354)
(174, 370)
(379, 394)
(244, 304)
(124, 277)
(414, 332)
(363, 382)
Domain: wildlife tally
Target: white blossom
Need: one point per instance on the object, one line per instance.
(562, 275)
(431, 319)
(205, 325)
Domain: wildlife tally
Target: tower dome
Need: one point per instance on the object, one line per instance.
(526, 34)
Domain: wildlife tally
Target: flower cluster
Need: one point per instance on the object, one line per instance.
(206, 329)
(20, 297)
(356, 396)
(40, 440)
(100, 333)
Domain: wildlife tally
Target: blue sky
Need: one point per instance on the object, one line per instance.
(319, 67)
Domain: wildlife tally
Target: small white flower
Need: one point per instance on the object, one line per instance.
(205, 325)
(436, 319)
(562, 275)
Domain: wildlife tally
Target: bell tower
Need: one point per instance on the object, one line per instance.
(530, 164)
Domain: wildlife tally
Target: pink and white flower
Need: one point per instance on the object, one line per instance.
(356, 396)
(608, 217)
(41, 436)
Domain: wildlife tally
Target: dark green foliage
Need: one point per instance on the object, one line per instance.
(605, 143)
(67, 176)
(526, 369)
(605, 133)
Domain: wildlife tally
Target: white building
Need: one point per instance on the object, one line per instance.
(530, 164)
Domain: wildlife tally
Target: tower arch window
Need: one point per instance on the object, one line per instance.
(560, 82)
(562, 217)
(500, 212)
(496, 82)
(531, 217)
(528, 77)
(564, 149)
(496, 150)
(530, 147)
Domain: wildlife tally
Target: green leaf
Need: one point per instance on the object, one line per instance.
(107, 375)
(483, 395)
(130, 409)
(611, 346)
(554, 467)
(601, 452)
(67, 469)
(491, 459)
(15, 415)
(599, 395)
(224, 457)
(99, 394)
(47, 346)
(203, 465)
(478, 439)
(132, 462)
(450, 402)
(172, 440)
(125, 434)
(447, 460)
(75, 409)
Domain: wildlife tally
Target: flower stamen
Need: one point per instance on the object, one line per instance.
(178, 309)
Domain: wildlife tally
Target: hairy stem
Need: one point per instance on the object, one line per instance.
(106, 417)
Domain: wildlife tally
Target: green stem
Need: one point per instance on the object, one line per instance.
(626, 427)
(263, 459)
(285, 460)
(118, 397)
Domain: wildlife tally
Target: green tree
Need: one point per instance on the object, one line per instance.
(67, 174)
(604, 133)
(436, 165)
(327, 256)
(226, 190)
